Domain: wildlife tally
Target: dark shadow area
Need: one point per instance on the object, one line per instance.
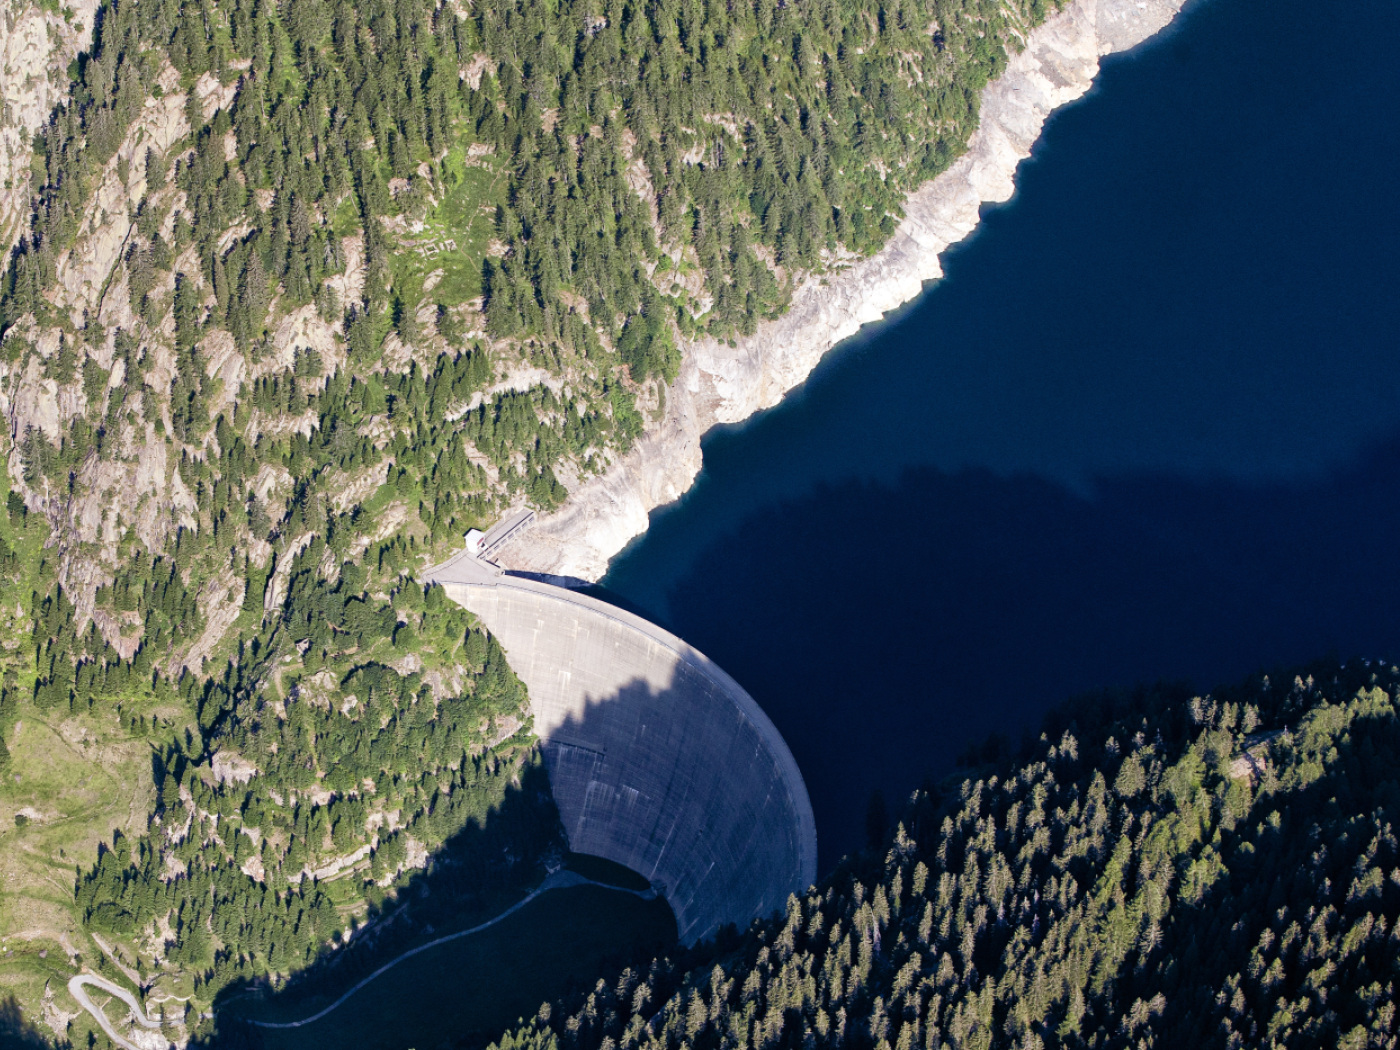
(464, 992)
(600, 869)
(17, 1032)
(572, 583)
(679, 783)
(1177, 292)
(886, 629)
(1178, 287)
(626, 604)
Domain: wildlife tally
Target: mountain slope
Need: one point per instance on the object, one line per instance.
(1158, 870)
(304, 290)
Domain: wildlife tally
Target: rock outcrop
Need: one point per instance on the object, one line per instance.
(719, 383)
(36, 46)
(138, 485)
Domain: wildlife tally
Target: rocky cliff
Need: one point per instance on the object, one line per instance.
(137, 483)
(720, 383)
(95, 362)
(36, 45)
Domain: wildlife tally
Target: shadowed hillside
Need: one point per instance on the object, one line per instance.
(472, 987)
(1157, 870)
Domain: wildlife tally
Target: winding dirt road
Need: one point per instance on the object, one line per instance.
(558, 881)
(151, 1039)
(77, 988)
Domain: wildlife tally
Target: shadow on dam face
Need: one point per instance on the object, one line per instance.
(701, 819)
(658, 760)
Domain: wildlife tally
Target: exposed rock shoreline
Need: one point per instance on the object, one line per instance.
(723, 384)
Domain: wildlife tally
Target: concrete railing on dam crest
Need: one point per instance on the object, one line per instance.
(658, 759)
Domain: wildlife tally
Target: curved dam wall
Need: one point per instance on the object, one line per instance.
(658, 759)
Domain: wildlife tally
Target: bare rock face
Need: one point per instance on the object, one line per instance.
(35, 48)
(723, 384)
(106, 228)
(139, 487)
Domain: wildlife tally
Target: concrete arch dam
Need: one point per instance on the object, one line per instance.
(658, 759)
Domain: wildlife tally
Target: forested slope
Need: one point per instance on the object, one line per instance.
(1158, 870)
(242, 199)
(305, 289)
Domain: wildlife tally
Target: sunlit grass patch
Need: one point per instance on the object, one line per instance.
(455, 235)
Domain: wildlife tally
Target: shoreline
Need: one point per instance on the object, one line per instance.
(723, 384)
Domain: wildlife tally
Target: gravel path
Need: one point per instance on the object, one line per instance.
(558, 881)
(152, 1040)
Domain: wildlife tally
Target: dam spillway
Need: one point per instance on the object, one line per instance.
(658, 760)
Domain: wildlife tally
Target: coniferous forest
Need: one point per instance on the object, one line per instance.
(1157, 870)
(304, 289)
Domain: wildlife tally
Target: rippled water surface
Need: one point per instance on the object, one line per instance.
(1147, 427)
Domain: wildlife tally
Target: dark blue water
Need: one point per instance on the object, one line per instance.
(1147, 427)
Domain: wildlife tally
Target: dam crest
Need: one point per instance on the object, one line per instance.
(658, 760)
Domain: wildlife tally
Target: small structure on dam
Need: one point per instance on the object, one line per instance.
(657, 758)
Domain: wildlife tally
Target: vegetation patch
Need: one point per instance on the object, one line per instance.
(1158, 869)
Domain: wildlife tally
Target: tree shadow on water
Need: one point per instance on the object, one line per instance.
(885, 629)
(466, 991)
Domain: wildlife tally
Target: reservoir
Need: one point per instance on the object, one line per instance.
(1147, 427)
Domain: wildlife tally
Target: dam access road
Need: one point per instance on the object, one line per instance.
(658, 759)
